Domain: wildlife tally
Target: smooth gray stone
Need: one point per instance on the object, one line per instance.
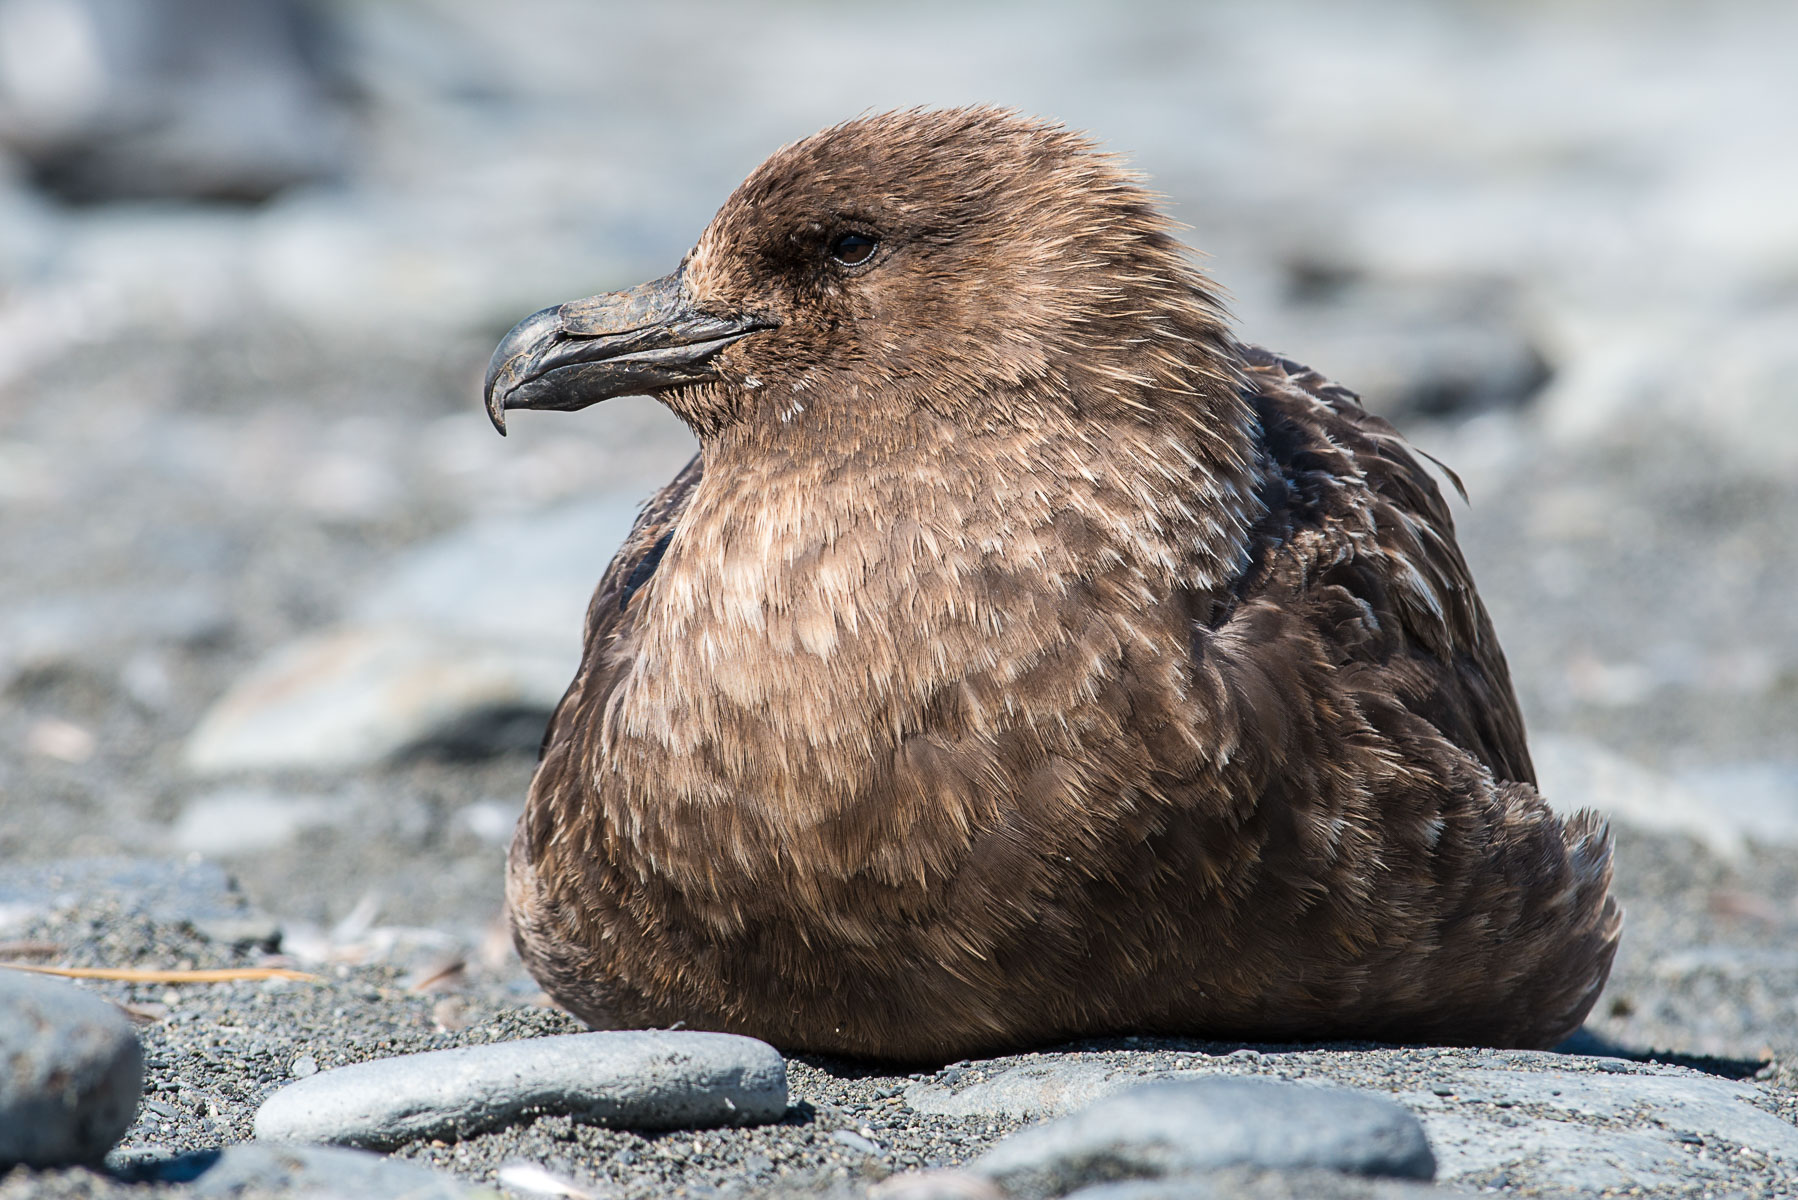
(469, 642)
(155, 888)
(509, 578)
(202, 894)
(1579, 773)
(238, 820)
(72, 1072)
(294, 1172)
(100, 626)
(936, 1184)
(1177, 1127)
(358, 695)
(183, 99)
(627, 1080)
(1052, 1087)
(1734, 396)
(1622, 1126)
(1245, 1184)
(1581, 1119)
(1759, 798)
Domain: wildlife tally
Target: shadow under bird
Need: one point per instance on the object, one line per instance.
(1022, 657)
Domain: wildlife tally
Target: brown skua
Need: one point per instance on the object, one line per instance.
(1023, 657)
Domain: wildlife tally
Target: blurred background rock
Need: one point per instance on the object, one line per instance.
(177, 99)
(272, 592)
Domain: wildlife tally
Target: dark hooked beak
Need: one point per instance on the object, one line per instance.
(619, 344)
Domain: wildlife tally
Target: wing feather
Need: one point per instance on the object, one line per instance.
(1372, 530)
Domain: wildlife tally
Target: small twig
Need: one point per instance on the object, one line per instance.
(132, 975)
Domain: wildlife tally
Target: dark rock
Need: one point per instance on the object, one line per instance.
(1412, 347)
(73, 1072)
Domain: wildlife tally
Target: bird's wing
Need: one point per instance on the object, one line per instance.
(608, 613)
(1358, 533)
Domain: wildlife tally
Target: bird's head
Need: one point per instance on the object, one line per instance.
(972, 262)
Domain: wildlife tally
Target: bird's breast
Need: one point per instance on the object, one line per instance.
(794, 667)
(814, 647)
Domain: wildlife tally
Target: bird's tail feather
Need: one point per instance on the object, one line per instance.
(1592, 919)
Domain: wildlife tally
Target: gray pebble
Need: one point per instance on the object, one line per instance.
(356, 695)
(630, 1080)
(1611, 1127)
(935, 1185)
(1176, 1127)
(1048, 1087)
(199, 893)
(223, 102)
(1241, 1183)
(93, 627)
(74, 1072)
(411, 668)
(856, 1141)
(332, 1171)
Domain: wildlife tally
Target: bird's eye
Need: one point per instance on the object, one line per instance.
(852, 249)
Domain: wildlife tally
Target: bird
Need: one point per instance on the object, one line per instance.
(1022, 658)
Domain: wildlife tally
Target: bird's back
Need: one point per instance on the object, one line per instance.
(1432, 894)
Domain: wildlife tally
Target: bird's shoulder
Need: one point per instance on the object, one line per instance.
(1358, 542)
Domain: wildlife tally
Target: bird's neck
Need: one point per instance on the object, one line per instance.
(815, 610)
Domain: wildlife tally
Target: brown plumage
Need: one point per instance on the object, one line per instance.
(1022, 657)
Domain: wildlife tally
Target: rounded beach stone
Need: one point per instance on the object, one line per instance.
(303, 1171)
(71, 1072)
(627, 1080)
(1185, 1126)
(1248, 1183)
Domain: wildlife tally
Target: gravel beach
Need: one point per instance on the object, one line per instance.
(251, 503)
